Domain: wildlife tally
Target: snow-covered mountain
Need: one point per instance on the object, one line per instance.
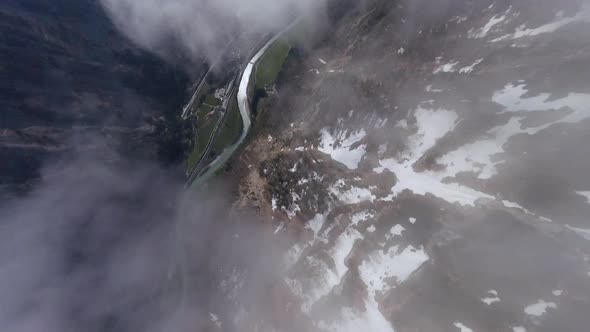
(426, 169)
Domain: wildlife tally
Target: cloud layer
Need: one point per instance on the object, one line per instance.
(199, 28)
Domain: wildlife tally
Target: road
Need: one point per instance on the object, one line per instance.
(190, 105)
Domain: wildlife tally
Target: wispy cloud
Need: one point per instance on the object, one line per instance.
(199, 28)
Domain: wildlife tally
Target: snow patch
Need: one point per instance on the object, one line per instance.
(478, 156)
(323, 280)
(402, 124)
(462, 327)
(585, 194)
(469, 69)
(351, 321)
(279, 228)
(511, 97)
(381, 123)
(538, 309)
(483, 32)
(215, 320)
(354, 195)
(380, 266)
(429, 88)
(432, 125)
(302, 182)
(459, 19)
(423, 183)
(447, 67)
(342, 248)
(583, 232)
(560, 22)
(361, 216)
(339, 146)
(491, 298)
(397, 230)
(316, 223)
(518, 206)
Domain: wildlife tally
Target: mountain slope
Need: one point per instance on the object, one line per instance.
(425, 170)
(64, 65)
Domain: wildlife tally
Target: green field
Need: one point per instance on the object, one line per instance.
(200, 140)
(230, 130)
(205, 103)
(201, 96)
(269, 67)
(205, 124)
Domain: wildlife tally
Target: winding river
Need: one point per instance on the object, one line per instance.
(244, 106)
(246, 80)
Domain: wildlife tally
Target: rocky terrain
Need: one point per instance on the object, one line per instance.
(425, 169)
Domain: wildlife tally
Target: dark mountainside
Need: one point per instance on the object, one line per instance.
(90, 142)
(68, 77)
